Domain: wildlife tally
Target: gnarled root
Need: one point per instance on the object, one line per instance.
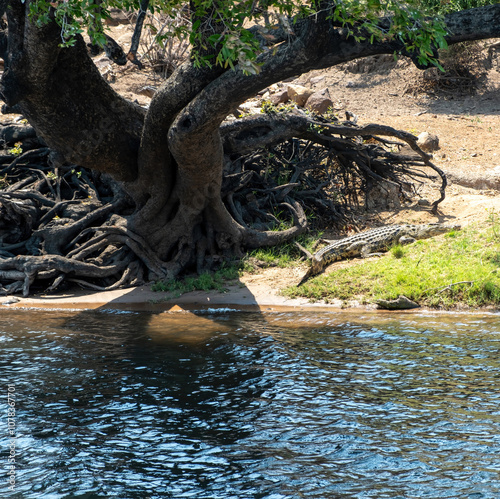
(326, 160)
(62, 224)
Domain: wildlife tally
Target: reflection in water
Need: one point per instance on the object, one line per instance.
(137, 405)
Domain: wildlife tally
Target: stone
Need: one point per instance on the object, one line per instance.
(299, 94)
(383, 195)
(401, 303)
(249, 108)
(428, 142)
(423, 202)
(10, 300)
(319, 102)
(316, 79)
(279, 97)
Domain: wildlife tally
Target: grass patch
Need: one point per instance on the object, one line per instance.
(397, 251)
(283, 255)
(208, 281)
(459, 268)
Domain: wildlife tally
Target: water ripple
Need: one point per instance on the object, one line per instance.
(251, 406)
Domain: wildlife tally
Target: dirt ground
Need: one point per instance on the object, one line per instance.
(383, 91)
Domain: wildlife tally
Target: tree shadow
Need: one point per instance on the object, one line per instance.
(487, 102)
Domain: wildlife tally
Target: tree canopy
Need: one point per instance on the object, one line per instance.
(220, 34)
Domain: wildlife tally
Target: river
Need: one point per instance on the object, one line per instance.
(247, 405)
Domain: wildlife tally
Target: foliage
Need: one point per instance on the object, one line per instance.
(218, 32)
(17, 150)
(445, 7)
(397, 251)
(458, 268)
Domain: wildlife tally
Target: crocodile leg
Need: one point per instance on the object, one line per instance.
(356, 249)
(368, 250)
(406, 240)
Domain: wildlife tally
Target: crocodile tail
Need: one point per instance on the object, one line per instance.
(316, 268)
(306, 277)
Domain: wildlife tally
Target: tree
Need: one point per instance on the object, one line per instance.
(168, 162)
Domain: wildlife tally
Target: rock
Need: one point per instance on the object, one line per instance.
(249, 108)
(148, 91)
(383, 195)
(316, 79)
(423, 202)
(280, 97)
(401, 303)
(428, 142)
(10, 300)
(320, 101)
(299, 94)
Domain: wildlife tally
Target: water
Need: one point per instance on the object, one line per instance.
(138, 405)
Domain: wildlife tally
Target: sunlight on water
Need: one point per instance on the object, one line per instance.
(244, 405)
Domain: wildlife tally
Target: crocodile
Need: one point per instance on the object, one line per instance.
(372, 243)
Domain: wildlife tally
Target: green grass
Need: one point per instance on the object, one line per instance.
(443, 272)
(459, 268)
(283, 255)
(208, 281)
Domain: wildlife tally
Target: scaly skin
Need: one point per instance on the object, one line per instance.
(373, 242)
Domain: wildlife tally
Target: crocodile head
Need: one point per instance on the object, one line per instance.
(430, 230)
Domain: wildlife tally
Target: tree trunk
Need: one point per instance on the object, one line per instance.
(64, 97)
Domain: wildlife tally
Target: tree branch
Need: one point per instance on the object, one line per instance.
(317, 45)
(473, 24)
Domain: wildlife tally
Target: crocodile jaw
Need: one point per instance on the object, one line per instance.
(431, 230)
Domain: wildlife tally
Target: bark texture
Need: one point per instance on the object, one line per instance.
(67, 101)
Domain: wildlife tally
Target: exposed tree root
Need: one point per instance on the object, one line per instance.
(62, 225)
(344, 147)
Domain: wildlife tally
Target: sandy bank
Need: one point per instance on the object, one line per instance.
(248, 297)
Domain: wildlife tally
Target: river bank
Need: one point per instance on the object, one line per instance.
(249, 296)
(261, 289)
(384, 92)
